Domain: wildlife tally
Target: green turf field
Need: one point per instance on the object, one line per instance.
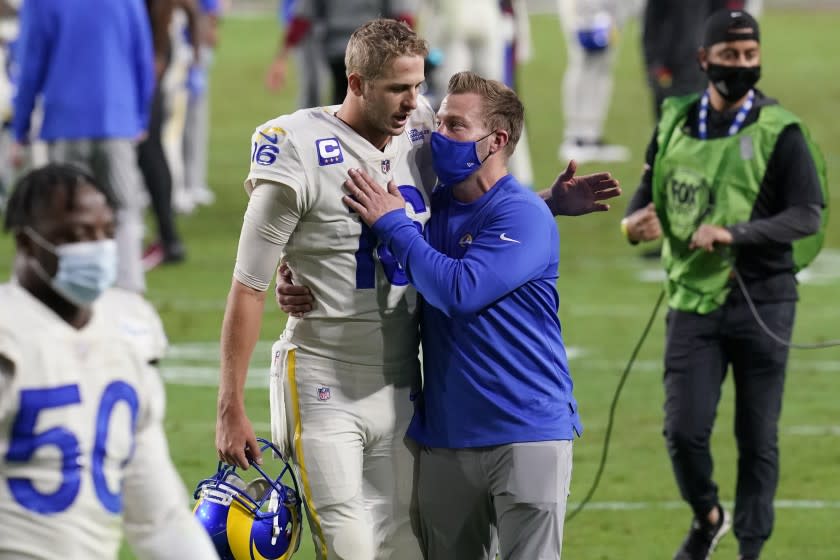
(605, 301)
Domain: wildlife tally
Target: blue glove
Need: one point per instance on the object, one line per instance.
(197, 80)
(597, 34)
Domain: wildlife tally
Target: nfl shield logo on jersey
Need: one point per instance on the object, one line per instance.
(386, 166)
(323, 393)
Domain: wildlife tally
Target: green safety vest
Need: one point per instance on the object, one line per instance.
(716, 182)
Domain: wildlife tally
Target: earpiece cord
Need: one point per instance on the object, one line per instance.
(770, 333)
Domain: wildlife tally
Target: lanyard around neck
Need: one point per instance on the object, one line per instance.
(737, 123)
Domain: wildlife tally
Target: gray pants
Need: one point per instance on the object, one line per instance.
(196, 136)
(113, 164)
(470, 499)
(313, 72)
(588, 79)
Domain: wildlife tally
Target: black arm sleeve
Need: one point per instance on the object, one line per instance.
(644, 192)
(786, 226)
(789, 203)
(793, 169)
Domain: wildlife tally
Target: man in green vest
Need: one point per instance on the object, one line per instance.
(736, 189)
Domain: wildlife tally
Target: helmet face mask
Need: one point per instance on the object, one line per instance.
(258, 520)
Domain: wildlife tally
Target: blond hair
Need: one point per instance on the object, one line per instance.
(378, 42)
(501, 107)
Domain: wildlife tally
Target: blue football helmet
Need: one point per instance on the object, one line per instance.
(256, 520)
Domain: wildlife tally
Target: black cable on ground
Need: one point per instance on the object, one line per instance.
(613, 406)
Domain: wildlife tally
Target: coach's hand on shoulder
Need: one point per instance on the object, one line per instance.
(642, 225)
(576, 196)
(368, 199)
(236, 443)
(294, 300)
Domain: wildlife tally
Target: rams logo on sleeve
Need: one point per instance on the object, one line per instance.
(265, 145)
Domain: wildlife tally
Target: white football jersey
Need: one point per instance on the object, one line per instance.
(365, 308)
(80, 424)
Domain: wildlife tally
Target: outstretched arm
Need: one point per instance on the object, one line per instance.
(576, 196)
(568, 196)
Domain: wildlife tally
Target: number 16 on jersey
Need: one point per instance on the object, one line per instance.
(369, 246)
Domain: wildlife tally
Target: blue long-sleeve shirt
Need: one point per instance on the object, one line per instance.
(92, 61)
(210, 6)
(494, 363)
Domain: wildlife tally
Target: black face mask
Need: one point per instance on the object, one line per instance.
(733, 82)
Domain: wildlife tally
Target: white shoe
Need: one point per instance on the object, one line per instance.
(203, 196)
(583, 152)
(182, 202)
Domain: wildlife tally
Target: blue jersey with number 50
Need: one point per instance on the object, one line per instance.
(366, 310)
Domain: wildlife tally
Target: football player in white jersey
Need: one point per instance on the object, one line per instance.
(83, 456)
(344, 376)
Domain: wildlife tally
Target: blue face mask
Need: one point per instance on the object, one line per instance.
(85, 269)
(454, 161)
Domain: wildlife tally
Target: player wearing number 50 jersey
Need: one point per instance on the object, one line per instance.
(343, 376)
(82, 448)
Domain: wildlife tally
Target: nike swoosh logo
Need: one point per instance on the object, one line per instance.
(504, 237)
(272, 139)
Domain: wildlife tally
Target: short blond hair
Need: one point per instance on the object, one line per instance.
(501, 107)
(378, 42)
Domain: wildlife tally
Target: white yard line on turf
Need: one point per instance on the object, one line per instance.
(779, 504)
(205, 372)
(805, 431)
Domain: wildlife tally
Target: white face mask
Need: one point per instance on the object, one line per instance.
(85, 268)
